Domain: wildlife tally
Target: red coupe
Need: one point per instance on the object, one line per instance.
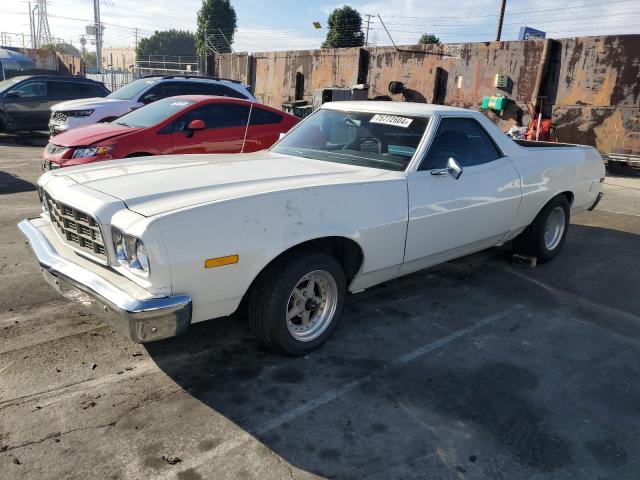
(175, 125)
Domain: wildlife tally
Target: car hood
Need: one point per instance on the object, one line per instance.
(87, 103)
(91, 134)
(155, 185)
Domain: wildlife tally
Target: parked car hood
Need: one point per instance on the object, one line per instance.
(91, 134)
(86, 103)
(155, 185)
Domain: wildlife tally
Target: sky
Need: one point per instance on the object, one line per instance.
(288, 24)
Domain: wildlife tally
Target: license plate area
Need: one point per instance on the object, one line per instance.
(68, 291)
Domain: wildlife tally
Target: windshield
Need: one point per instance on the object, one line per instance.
(6, 84)
(132, 89)
(356, 138)
(154, 113)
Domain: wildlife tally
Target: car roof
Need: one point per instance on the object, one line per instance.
(53, 77)
(233, 84)
(216, 98)
(194, 78)
(393, 108)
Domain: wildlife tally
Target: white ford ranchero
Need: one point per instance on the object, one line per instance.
(357, 194)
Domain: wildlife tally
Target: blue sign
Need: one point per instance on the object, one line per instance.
(528, 33)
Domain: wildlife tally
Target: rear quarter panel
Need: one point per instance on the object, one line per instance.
(547, 172)
(259, 228)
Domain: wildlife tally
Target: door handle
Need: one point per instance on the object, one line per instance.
(440, 171)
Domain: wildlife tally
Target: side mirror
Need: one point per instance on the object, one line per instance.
(149, 98)
(13, 95)
(194, 126)
(454, 169)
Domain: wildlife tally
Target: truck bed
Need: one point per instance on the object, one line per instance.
(534, 144)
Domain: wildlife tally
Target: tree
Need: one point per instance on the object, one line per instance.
(217, 23)
(345, 29)
(61, 47)
(89, 59)
(169, 42)
(428, 39)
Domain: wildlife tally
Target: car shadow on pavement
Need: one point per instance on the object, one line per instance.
(340, 412)
(30, 139)
(11, 184)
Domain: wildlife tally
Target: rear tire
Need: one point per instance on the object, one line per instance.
(296, 303)
(545, 236)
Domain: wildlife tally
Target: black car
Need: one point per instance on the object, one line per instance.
(25, 102)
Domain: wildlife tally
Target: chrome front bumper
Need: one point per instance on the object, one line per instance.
(142, 320)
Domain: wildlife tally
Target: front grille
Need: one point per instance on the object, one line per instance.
(76, 228)
(52, 149)
(59, 116)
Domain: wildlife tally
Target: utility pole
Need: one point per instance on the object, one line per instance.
(135, 33)
(503, 4)
(32, 25)
(366, 37)
(98, 25)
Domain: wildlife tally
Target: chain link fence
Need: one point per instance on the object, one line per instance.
(151, 65)
(114, 79)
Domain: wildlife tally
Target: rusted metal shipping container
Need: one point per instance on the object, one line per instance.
(589, 86)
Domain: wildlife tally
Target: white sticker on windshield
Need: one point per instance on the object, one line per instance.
(179, 104)
(391, 120)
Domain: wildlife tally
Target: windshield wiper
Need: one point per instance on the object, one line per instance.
(124, 124)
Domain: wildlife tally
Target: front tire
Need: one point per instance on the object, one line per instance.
(297, 302)
(546, 235)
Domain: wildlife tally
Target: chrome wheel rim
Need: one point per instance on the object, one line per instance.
(312, 305)
(554, 229)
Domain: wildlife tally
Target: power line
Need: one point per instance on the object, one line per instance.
(571, 19)
(518, 12)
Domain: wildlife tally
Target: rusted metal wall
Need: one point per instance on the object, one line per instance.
(275, 72)
(58, 62)
(467, 79)
(45, 59)
(233, 66)
(595, 91)
(415, 66)
(68, 64)
(589, 85)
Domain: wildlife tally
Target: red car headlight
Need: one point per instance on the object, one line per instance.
(84, 152)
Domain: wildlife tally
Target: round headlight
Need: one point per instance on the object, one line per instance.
(141, 255)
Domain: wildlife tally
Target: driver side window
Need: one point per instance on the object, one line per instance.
(223, 115)
(463, 139)
(31, 90)
(164, 90)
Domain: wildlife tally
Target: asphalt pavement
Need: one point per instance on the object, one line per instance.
(478, 368)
